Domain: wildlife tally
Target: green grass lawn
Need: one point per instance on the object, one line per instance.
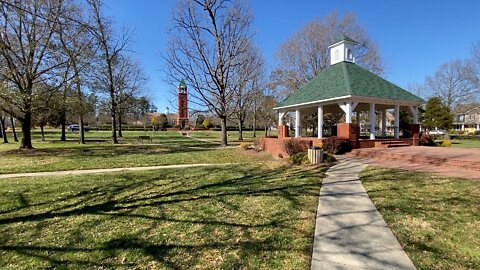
(435, 218)
(166, 148)
(236, 217)
(466, 143)
(215, 136)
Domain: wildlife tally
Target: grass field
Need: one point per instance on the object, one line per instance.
(466, 143)
(232, 135)
(240, 217)
(166, 148)
(435, 218)
(256, 213)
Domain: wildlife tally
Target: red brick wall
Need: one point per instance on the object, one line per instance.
(275, 146)
(366, 144)
(349, 131)
(415, 130)
(283, 131)
(409, 141)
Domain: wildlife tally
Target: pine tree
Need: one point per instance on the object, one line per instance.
(438, 115)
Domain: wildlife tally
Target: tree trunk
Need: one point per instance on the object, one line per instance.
(2, 124)
(224, 130)
(266, 131)
(120, 125)
(114, 117)
(26, 141)
(43, 134)
(114, 129)
(240, 129)
(81, 138)
(13, 129)
(63, 123)
(255, 120)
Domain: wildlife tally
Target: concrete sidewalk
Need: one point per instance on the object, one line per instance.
(350, 233)
(112, 170)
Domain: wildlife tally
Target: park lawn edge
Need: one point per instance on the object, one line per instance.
(430, 215)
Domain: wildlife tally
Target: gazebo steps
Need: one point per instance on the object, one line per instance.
(391, 143)
(414, 157)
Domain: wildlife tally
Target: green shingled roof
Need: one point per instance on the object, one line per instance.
(345, 79)
(344, 38)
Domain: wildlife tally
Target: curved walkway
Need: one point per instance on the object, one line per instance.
(349, 232)
(96, 171)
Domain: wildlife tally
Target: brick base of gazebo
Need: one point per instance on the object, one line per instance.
(350, 131)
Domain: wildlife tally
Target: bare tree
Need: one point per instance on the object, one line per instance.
(416, 89)
(76, 43)
(267, 102)
(306, 53)
(473, 67)
(27, 54)
(450, 83)
(110, 47)
(245, 83)
(207, 43)
(129, 81)
(65, 93)
(12, 122)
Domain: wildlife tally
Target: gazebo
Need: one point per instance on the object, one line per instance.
(347, 88)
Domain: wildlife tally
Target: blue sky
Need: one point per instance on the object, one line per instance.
(414, 37)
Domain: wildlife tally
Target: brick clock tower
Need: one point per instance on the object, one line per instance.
(182, 116)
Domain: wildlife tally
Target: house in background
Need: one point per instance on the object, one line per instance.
(466, 117)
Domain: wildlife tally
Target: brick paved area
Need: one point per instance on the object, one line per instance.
(456, 162)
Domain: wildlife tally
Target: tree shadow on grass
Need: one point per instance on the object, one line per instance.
(177, 222)
(105, 151)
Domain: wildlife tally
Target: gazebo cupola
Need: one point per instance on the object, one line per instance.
(343, 50)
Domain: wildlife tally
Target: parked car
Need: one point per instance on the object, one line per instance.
(73, 128)
(436, 132)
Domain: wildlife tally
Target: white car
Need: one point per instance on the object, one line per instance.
(73, 128)
(436, 132)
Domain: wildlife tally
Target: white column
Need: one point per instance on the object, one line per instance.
(320, 121)
(463, 127)
(373, 120)
(384, 123)
(414, 111)
(348, 108)
(298, 124)
(415, 115)
(397, 121)
(280, 118)
(348, 113)
(478, 127)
